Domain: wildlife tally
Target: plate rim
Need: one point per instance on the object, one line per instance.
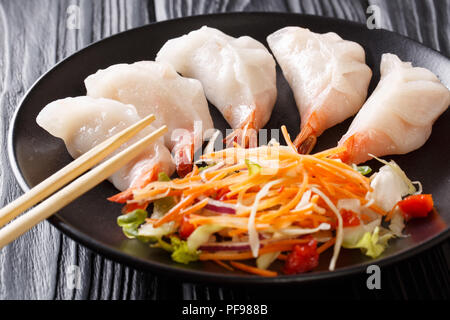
(200, 276)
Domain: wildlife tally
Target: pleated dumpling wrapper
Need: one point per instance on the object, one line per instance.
(327, 74)
(84, 122)
(398, 116)
(238, 74)
(156, 88)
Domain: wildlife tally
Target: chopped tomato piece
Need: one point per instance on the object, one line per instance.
(186, 228)
(349, 218)
(303, 258)
(416, 206)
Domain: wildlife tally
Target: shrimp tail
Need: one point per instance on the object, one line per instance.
(122, 197)
(246, 135)
(306, 140)
(346, 155)
(145, 178)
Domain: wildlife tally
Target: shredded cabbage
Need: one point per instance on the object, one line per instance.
(304, 201)
(397, 223)
(389, 186)
(265, 260)
(147, 231)
(201, 235)
(252, 233)
(396, 168)
(353, 205)
(339, 228)
(354, 234)
(292, 231)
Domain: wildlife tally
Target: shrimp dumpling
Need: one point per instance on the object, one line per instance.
(238, 74)
(84, 122)
(153, 87)
(398, 116)
(327, 74)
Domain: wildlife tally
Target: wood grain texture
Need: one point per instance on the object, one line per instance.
(34, 36)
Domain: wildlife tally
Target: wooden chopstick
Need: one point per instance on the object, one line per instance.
(75, 189)
(70, 172)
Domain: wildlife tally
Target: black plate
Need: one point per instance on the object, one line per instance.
(34, 154)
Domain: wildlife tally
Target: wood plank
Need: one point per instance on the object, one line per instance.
(35, 37)
(426, 21)
(345, 9)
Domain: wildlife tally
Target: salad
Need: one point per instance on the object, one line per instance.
(247, 208)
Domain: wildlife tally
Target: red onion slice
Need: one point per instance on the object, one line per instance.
(220, 207)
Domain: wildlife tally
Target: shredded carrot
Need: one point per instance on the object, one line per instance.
(174, 212)
(288, 139)
(253, 270)
(326, 245)
(196, 207)
(301, 189)
(330, 152)
(282, 257)
(223, 264)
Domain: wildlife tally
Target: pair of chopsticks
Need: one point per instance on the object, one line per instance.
(76, 188)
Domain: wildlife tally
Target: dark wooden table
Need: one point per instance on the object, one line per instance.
(34, 36)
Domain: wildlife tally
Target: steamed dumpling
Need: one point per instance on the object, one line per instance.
(153, 87)
(398, 116)
(328, 76)
(84, 122)
(238, 74)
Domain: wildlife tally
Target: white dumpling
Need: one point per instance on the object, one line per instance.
(238, 74)
(84, 122)
(328, 76)
(398, 116)
(156, 88)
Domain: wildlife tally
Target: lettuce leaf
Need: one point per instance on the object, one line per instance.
(181, 252)
(179, 249)
(371, 244)
(148, 233)
(253, 168)
(131, 221)
(201, 235)
(364, 170)
(265, 260)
